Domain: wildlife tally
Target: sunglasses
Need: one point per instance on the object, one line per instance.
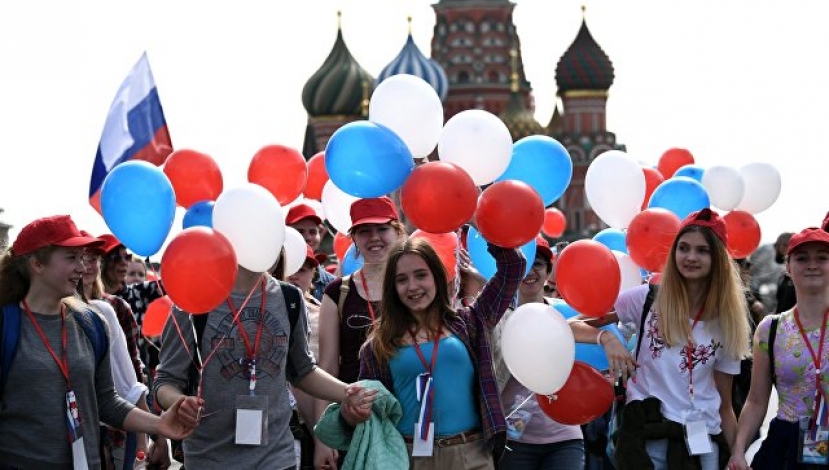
(118, 257)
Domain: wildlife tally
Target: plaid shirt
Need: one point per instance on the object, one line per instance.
(472, 325)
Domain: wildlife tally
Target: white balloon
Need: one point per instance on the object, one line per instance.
(411, 108)
(631, 276)
(538, 347)
(295, 251)
(615, 188)
(478, 142)
(762, 187)
(336, 204)
(724, 185)
(254, 223)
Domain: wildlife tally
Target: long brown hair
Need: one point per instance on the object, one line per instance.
(724, 302)
(15, 278)
(395, 318)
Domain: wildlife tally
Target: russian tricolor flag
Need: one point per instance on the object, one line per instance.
(135, 128)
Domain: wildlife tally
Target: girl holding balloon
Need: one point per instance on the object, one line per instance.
(535, 440)
(425, 348)
(678, 412)
(350, 309)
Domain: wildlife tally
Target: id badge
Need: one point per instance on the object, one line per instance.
(251, 420)
(517, 423)
(813, 447)
(73, 423)
(697, 438)
(420, 447)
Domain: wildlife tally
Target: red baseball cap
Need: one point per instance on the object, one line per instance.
(58, 230)
(109, 242)
(543, 248)
(809, 235)
(707, 218)
(302, 211)
(376, 210)
(309, 256)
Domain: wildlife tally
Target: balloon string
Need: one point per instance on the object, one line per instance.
(457, 283)
(519, 406)
(157, 276)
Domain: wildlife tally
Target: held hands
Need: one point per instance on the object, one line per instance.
(621, 362)
(180, 420)
(738, 462)
(356, 407)
(325, 458)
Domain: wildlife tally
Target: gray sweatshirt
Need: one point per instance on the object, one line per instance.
(212, 444)
(33, 430)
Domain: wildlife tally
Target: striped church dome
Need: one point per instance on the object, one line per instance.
(584, 66)
(412, 62)
(336, 89)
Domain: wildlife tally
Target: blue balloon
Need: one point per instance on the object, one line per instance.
(366, 159)
(612, 238)
(680, 195)
(543, 163)
(592, 354)
(484, 262)
(694, 172)
(351, 262)
(199, 214)
(138, 205)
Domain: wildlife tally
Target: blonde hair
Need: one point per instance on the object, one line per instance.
(724, 302)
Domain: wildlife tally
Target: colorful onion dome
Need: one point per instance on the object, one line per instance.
(584, 66)
(337, 87)
(412, 62)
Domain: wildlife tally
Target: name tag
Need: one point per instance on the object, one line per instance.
(423, 447)
(697, 438)
(814, 446)
(73, 423)
(251, 420)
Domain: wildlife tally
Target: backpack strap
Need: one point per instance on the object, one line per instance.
(344, 288)
(646, 307)
(9, 335)
(93, 325)
(775, 319)
(291, 295)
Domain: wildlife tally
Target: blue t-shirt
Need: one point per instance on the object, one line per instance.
(455, 407)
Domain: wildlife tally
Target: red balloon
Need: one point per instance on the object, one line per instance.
(743, 234)
(281, 170)
(653, 178)
(672, 160)
(585, 396)
(554, 223)
(510, 213)
(317, 177)
(438, 197)
(446, 245)
(157, 313)
(588, 277)
(650, 236)
(199, 269)
(341, 244)
(194, 175)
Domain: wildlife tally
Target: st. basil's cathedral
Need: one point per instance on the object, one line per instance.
(476, 64)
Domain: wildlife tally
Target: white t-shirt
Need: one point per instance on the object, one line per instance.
(663, 371)
(123, 373)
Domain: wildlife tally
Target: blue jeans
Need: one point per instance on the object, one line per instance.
(565, 455)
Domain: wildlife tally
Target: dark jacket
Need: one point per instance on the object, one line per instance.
(642, 421)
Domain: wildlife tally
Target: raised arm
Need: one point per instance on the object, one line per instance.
(500, 291)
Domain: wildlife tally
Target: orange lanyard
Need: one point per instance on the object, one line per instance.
(62, 361)
(368, 300)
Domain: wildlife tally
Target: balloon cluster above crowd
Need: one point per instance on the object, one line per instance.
(507, 190)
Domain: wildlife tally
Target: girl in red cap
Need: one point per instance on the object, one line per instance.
(678, 412)
(54, 393)
(351, 304)
(790, 353)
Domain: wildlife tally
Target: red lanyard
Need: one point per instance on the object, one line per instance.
(426, 365)
(62, 362)
(368, 300)
(815, 357)
(249, 351)
(689, 356)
